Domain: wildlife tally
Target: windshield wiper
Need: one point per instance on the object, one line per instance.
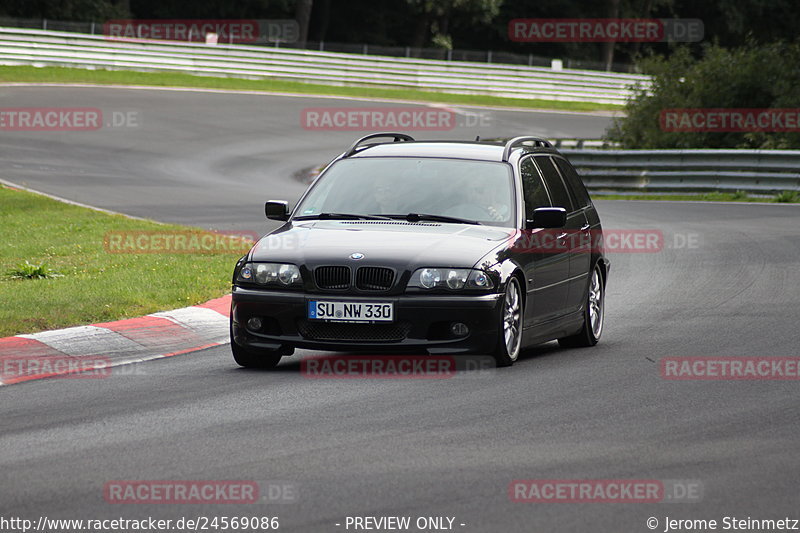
(416, 217)
(341, 216)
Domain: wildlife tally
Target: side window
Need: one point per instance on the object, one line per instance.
(575, 183)
(558, 190)
(533, 190)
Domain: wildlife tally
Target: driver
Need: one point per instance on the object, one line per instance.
(383, 197)
(479, 200)
(482, 193)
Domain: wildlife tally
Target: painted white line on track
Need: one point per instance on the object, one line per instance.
(599, 197)
(598, 113)
(72, 202)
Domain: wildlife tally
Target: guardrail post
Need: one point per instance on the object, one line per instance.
(322, 46)
(365, 49)
(489, 56)
(44, 24)
(92, 30)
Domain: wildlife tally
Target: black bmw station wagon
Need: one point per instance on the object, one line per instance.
(436, 247)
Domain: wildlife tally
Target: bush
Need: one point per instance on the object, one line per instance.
(29, 270)
(754, 76)
(787, 197)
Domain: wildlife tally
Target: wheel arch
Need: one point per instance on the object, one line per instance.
(509, 269)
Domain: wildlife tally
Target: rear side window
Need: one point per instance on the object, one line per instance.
(533, 190)
(558, 191)
(575, 183)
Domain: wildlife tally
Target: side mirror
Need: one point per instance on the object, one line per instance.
(547, 217)
(277, 210)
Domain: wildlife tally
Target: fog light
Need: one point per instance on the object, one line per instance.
(254, 323)
(459, 330)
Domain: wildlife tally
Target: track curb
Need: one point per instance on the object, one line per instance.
(94, 350)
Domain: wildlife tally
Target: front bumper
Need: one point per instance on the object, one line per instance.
(421, 323)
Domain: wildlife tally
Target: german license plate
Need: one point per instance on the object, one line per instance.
(351, 311)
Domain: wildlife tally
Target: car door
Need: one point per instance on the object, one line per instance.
(555, 170)
(546, 267)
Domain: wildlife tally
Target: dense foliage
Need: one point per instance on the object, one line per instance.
(749, 77)
(459, 24)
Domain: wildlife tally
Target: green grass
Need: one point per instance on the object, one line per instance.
(91, 284)
(738, 196)
(163, 79)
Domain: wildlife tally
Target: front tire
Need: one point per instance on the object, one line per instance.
(265, 359)
(249, 358)
(593, 314)
(509, 335)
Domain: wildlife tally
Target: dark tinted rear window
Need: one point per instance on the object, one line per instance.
(558, 192)
(575, 183)
(533, 189)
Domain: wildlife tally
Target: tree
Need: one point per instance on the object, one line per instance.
(750, 77)
(433, 17)
(303, 17)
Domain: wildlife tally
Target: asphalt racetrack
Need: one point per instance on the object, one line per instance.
(724, 283)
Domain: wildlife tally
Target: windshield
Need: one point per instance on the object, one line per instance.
(475, 190)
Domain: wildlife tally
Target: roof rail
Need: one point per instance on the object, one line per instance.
(518, 141)
(397, 138)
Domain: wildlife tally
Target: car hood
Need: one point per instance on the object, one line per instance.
(396, 244)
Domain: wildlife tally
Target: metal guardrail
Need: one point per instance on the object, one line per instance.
(20, 46)
(693, 170)
(477, 56)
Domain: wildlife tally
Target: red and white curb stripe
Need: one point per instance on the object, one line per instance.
(110, 344)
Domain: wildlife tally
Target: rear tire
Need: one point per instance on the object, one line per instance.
(593, 314)
(509, 331)
(266, 359)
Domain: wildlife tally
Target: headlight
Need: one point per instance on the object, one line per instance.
(288, 274)
(270, 274)
(450, 278)
(430, 277)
